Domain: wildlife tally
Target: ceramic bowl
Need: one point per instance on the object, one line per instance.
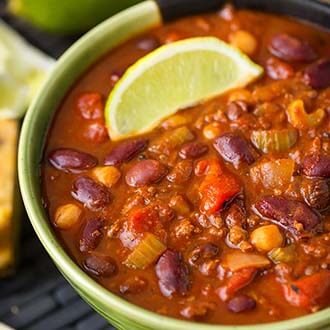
(69, 68)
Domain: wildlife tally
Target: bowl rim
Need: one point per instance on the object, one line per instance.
(28, 174)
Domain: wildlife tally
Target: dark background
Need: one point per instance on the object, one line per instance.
(37, 297)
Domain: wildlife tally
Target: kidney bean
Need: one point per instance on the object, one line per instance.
(316, 166)
(93, 195)
(96, 133)
(227, 12)
(115, 76)
(100, 266)
(145, 172)
(234, 149)
(236, 214)
(241, 303)
(70, 160)
(289, 214)
(90, 105)
(193, 150)
(148, 44)
(236, 109)
(317, 75)
(316, 193)
(181, 172)
(91, 235)
(203, 252)
(278, 70)
(125, 151)
(172, 273)
(291, 49)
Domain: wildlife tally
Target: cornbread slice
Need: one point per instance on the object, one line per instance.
(10, 204)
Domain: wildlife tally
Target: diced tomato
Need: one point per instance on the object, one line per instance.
(140, 220)
(90, 105)
(201, 167)
(310, 292)
(143, 219)
(237, 281)
(217, 186)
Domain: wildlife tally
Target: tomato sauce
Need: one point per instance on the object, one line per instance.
(233, 222)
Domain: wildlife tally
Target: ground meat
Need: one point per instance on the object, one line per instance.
(183, 229)
(133, 285)
(197, 310)
(236, 214)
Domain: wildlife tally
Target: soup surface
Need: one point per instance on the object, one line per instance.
(221, 213)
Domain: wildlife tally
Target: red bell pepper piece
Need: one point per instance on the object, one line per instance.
(140, 220)
(309, 292)
(217, 186)
(237, 281)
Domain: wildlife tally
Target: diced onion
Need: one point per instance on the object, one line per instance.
(238, 260)
(273, 174)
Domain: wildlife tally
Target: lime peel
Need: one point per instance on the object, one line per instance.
(173, 77)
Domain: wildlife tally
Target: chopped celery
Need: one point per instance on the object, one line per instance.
(298, 117)
(274, 140)
(282, 254)
(171, 140)
(146, 252)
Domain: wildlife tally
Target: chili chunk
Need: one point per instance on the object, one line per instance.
(221, 214)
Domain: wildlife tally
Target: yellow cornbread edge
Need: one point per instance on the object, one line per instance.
(10, 203)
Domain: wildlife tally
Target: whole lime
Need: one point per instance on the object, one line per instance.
(68, 16)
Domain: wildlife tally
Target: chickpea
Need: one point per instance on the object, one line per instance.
(240, 94)
(179, 205)
(243, 40)
(67, 216)
(266, 238)
(172, 37)
(107, 175)
(211, 131)
(203, 24)
(175, 121)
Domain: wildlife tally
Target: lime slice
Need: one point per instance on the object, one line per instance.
(22, 69)
(173, 77)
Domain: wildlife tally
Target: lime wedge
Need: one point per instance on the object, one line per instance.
(22, 69)
(68, 16)
(173, 77)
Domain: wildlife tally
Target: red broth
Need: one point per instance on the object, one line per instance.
(239, 211)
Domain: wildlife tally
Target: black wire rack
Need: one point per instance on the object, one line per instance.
(37, 297)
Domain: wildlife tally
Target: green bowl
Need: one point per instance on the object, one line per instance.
(72, 64)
